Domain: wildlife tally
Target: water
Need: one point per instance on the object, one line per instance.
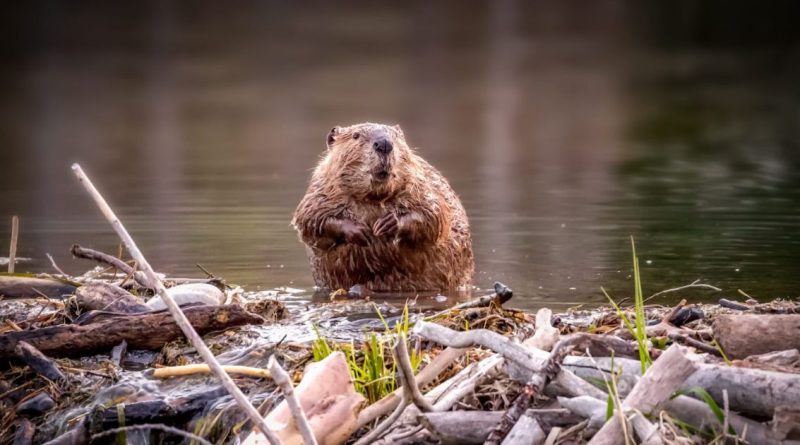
(564, 127)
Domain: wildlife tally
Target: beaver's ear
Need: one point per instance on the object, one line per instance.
(332, 136)
(399, 130)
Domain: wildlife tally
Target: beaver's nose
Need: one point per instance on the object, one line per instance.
(382, 146)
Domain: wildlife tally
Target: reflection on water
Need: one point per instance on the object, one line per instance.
(564, 127)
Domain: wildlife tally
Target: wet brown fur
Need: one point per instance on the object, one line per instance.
(408, 231)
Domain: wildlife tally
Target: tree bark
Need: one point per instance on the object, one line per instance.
(12, 286)
(108, 297)
(743, 335)
(141, 331)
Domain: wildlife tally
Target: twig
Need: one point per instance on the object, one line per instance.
(693, 284)
(285, 382)
(205, 271)
(152, 426)
(406, 374)
(202, 368)
(95, 255)
(12, 250)
(532, 388)
(175, 310)
(697, 344)
(55, 266)
(384, 426)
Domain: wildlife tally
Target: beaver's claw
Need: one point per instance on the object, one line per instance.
(354, 233)
(388, 224)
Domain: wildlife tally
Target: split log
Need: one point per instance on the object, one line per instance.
(750, 391)
(658, 383)
(742, 335)
(38, 362)
(141, 331)
(108, 297)
(18, 286)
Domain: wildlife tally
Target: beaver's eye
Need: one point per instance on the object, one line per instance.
(356, 135)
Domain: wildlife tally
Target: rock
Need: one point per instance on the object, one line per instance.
(36, 406)
(201, 293)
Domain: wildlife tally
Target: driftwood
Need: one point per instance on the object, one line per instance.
(531, 431)
(12, 250)
(38, 362)
(658, 383)
(108, 297)
(283, 380)
(141, 331)
(327, 397)
(531, 359)
(750, 391)
(181, 320)
(699, 414)
(17, 286)
(460, 427)
(202, 368)
(94, 255)
(742, 335)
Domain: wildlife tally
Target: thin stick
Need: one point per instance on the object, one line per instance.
(407, 375)
(202, 368)
(285, 382)
(55, 266)
(153, 426)
(175, 310)
(695, 283)
(12, 251)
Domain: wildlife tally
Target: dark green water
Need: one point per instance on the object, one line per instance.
(565, 128)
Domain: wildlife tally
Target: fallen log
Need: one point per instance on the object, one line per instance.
(23, 286)
(750, 391)
(140, 331)
(108, 297)
(742, 335)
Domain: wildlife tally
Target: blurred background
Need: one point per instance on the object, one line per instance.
(565, 127)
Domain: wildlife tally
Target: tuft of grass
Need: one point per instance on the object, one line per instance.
(638, 327)
(373, 375)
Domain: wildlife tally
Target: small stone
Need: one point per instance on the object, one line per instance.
(36, 406)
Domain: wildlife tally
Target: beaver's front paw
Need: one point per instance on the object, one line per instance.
(388, 224)
(353, 232)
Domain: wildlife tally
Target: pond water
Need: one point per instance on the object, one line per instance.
(565, 127)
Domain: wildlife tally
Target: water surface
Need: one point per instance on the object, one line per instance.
(564, 127)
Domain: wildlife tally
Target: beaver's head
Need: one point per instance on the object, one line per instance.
(369, 160)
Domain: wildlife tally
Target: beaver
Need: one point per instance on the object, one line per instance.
(376, 214)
